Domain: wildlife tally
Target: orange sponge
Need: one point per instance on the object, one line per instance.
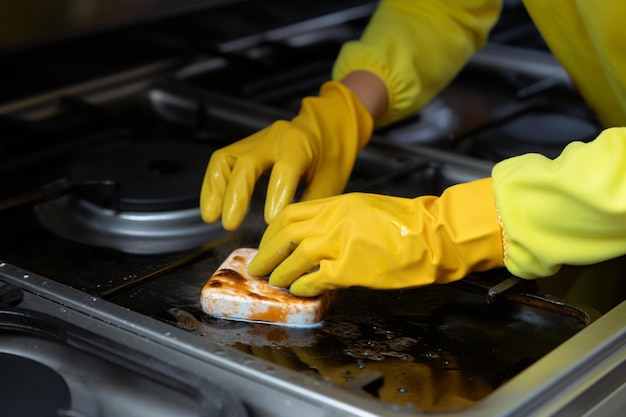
(231, 293)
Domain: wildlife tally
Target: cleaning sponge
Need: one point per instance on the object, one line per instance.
(231, 293)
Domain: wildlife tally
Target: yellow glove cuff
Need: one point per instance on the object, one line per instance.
(363, 123)
(469, 230)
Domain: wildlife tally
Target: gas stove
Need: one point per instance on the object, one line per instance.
(104, 254)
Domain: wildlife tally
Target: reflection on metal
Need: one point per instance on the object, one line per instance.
(133, 232)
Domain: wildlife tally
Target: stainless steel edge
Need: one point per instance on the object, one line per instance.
(580, 372)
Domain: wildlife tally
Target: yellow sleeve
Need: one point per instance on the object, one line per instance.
(566, 211)
(587, 37)
(417, 47)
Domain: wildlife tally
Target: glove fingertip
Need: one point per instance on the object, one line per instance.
(210, 209)
(270, 214)
(230, 224)
(258, 268)
(279, 281)
(233, 218)
(276, 201)
(209, 217)
(306, 286)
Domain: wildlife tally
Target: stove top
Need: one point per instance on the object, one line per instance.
(104, 254)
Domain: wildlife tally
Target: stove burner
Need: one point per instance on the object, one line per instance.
(154, 210)
(544, 133)
(33, 389)
(147, 233)
(153, 176)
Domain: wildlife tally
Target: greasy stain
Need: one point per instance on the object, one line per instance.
(273, 313)
(260, 297)
(229, 273)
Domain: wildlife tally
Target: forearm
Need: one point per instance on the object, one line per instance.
(567, 211)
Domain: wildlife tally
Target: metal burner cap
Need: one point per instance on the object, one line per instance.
(152, 176)
(142, 233)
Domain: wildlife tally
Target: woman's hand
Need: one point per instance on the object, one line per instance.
(318, 146)
(381, 242)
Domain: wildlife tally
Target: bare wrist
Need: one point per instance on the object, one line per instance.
(370, 90)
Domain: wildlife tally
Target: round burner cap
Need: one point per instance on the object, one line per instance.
(152, 176)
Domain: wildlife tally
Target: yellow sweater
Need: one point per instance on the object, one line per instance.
(571, 210)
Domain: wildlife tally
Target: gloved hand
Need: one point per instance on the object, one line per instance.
(381, 242)
(319, 145)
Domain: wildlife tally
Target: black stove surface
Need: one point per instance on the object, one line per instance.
(100, 195)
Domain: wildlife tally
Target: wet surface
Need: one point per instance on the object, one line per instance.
(431, 348)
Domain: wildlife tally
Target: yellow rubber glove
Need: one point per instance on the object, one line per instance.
(381, 242)
(319, 145)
